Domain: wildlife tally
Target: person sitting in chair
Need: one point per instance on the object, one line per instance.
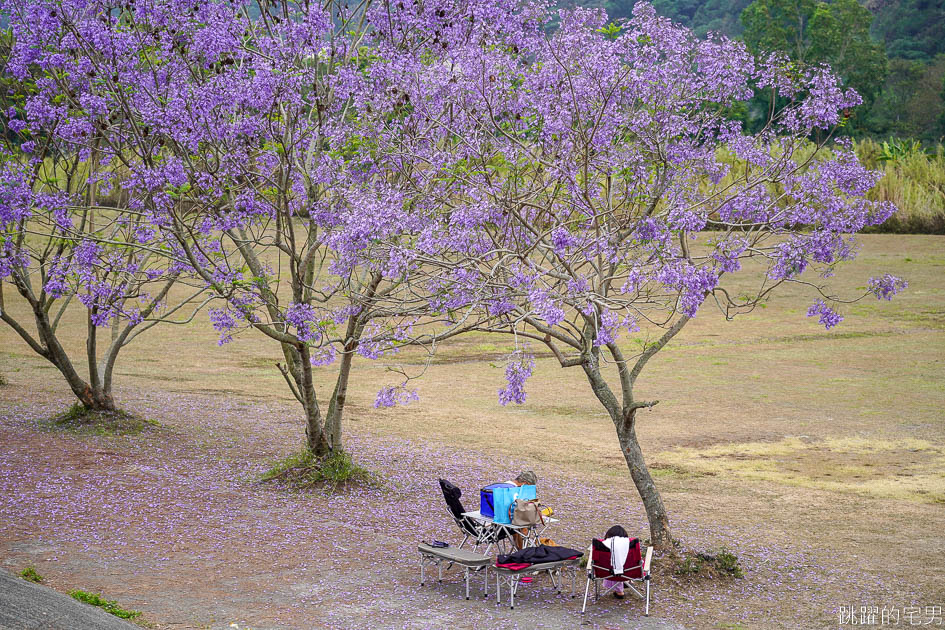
(525, 478)
(616, 532)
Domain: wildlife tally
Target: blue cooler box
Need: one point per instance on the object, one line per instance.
(486, 503)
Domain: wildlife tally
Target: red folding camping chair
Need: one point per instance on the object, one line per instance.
(599, 568)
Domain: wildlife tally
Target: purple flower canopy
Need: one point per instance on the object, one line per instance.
(335, 179)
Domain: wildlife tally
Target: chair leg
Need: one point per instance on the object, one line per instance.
(587, 588)
(467, 582)
(421, 570)
(646, 613)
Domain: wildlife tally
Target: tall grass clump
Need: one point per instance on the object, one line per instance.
(304, 470)
(914, 180)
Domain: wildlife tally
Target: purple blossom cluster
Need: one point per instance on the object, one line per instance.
(827, 316)
(302, 318)
(517, 370)
(886, 286)
(393, 395)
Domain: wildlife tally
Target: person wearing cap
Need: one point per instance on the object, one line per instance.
(525, 478)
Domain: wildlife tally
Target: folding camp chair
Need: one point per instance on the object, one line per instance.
(472, 529)
(599, 568)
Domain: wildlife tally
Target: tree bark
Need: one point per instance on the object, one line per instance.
(339, 396)
(316, 437)
(660, 535)
(96, 399)
(336, 405)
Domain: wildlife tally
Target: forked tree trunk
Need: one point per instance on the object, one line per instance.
(96, 399)
(336, 405)
(93, 394)
(660, 535)
(315, 438)
(339, 396)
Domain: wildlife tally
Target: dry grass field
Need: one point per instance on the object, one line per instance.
(769, 428)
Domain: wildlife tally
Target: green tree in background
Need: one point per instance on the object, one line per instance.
(888, 116)
(912, 29)
(701, 16)
(836, 33)
(941, 116)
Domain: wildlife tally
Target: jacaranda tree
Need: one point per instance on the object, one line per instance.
(248, 139)
(597, 189)
(67, 236)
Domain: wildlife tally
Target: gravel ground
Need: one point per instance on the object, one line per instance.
(172, 522)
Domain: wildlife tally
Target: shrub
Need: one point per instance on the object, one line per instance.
(30, 575)
(721, 564)
(304, 469)
(914, 180)
(727, 562)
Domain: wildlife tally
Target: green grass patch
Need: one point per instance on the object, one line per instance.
(30, 575)
(111, 607)
(671, 471)
(83, 421)
(710, 565)
(305, 470)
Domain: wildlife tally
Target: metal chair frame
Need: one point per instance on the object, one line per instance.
(620, 579)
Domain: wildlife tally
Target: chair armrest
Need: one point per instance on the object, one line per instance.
(649, 557)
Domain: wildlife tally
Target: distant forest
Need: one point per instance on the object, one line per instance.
(891, 51)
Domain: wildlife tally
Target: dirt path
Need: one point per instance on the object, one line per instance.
(171, 522)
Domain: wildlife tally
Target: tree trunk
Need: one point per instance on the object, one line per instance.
(90, 393)
(96, 399)
(660, 535)
(316, 438)
(336, 405)
(624, 419)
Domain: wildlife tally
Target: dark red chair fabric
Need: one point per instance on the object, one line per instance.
(632, 568)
